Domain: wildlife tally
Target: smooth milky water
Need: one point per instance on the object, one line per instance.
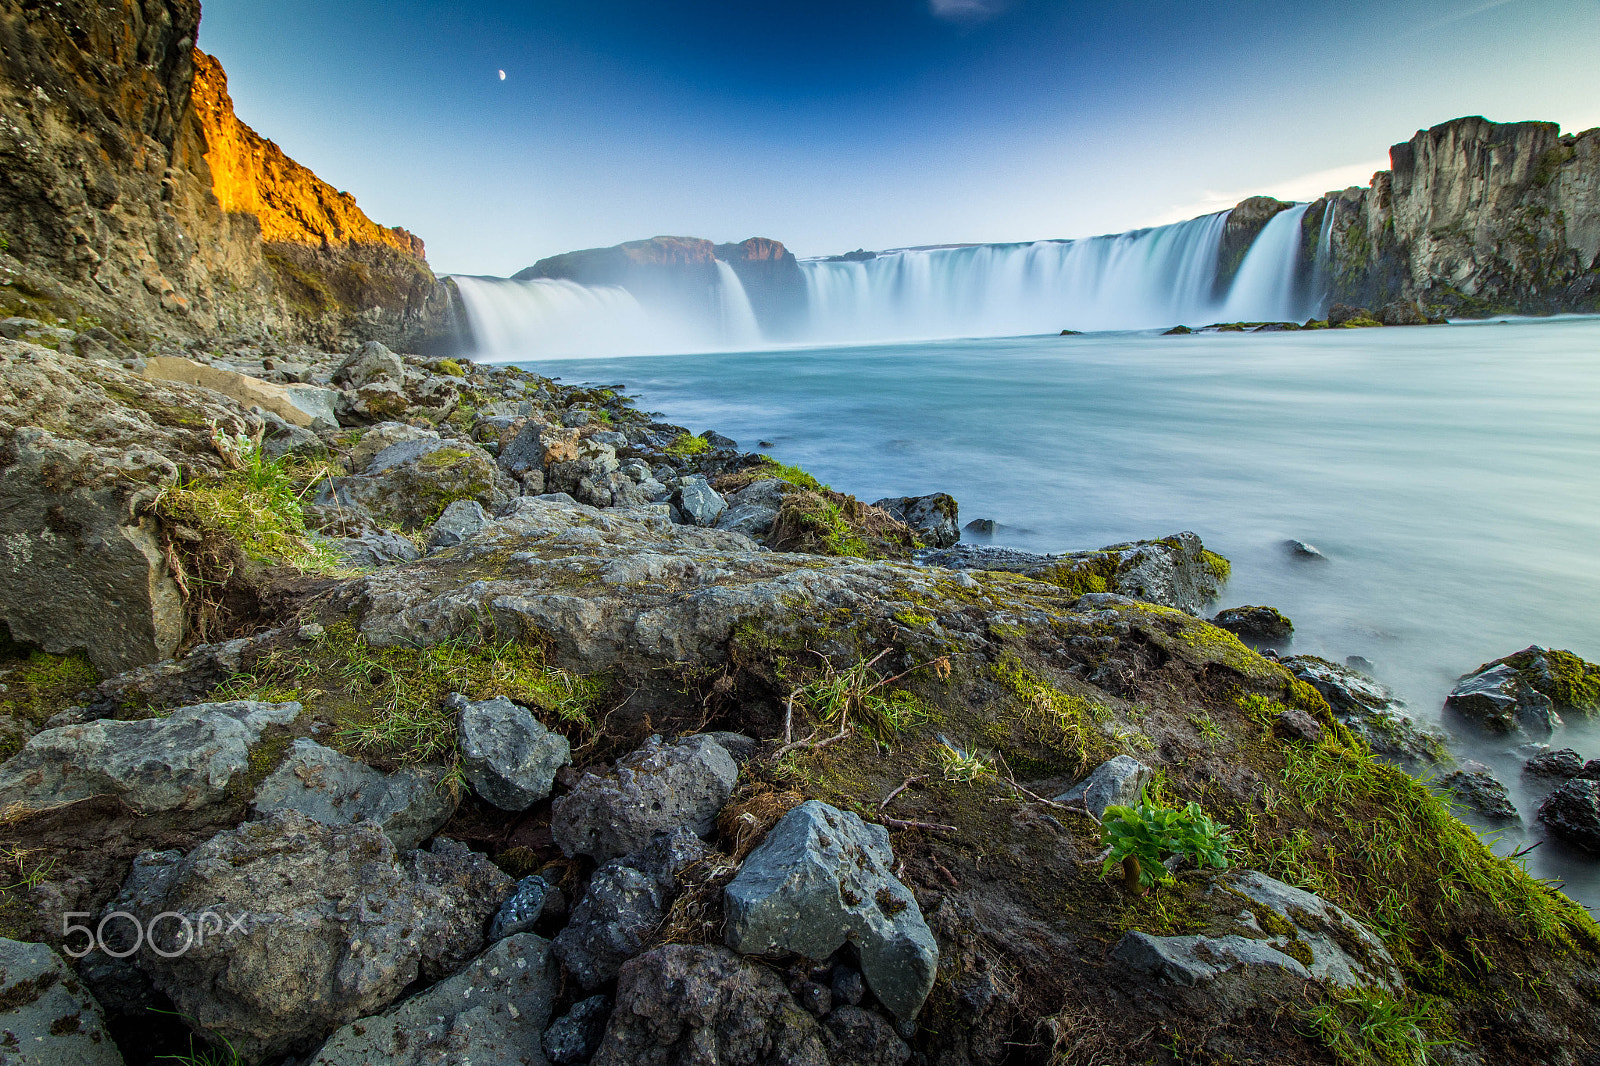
(1450, 473)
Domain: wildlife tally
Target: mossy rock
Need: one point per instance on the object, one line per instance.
(831, 523)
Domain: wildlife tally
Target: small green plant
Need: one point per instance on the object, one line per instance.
(1141, 839)
(855, 699)
(795, 476)
(1369, 1027)
(451, 367)
(687, 445)
(1207, 728)
(963, 767)
(32, 866)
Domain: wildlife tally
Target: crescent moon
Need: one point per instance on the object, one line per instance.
(502, 75)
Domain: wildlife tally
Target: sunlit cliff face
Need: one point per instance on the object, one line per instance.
(251, 175)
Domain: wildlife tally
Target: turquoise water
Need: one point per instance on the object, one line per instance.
(1451, 474)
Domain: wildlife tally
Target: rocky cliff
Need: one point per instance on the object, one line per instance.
(1473, 217)
(130, 194)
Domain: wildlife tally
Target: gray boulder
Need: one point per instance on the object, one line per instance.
(687, 1004)
(370, 364)
(381, 436)
(409, 805)
(700, 503)
(625, 902)
(932, 518)
(308, 926)
(458, 522)
(182, 762)
(1371, 711)
(375, 548)
(1476, 787)
(575, 1036)
(753, 509)
(822, 878)
(1288, 925)
(1572, 812)
(411, 482)
(1174, 571)
(521, 912)
(280, 438)
(1258, 625)
(507, 754)
(653, 790)
(1497, 700)
(1116, 782)
(491, 1012)
(46, 1016)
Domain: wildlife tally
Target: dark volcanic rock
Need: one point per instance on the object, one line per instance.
(1497, 700)
(1562, 763)
(1573, 813)
(1262, 625)
(1477, 788)
(933, 518)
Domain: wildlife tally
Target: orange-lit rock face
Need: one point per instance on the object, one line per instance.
(251, 175)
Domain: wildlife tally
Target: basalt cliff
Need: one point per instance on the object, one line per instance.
(132, 197)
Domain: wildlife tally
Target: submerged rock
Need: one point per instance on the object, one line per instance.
(1497, 699)
(46, 1016)
(654, 790)
(494, 1011)
(1301, 550)
(821, 878)
(1259, 625)
(1476, 787)
(1562, 763)
(1573, 813)
(935, 519)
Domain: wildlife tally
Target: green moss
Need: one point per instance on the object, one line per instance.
(1570, 682)
(688, 445)
(913, 618)
(1064, 723)
(771, 468)
(37, 684)
(1096, 572)
(452, 368)
(1550, 164)
(1220, 568)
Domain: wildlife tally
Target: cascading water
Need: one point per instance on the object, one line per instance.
(1142, 279)
(1321, 268)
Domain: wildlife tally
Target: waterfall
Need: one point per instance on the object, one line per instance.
(1265, 287)
(1143, 279)
(1321, 269)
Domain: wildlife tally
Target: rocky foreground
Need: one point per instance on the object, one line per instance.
(366, 708)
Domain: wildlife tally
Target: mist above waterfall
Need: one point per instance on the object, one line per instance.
(1143, 279)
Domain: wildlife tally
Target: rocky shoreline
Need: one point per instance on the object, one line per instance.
(410, 709)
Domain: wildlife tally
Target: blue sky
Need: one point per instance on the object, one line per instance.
(833, 125)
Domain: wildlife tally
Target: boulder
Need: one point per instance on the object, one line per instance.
(1475, 787)
(374, 441)
(1571, 684)
(307, 926)
(1572, 812)
(299, 405)
(508, 756)
(933, 518)
(280, 438)
(1175, 571)
(575, 1036)
(374, 548)
(46, 1016)
(684, 1004)
(1257, 625)
(1369, 710)
(184, 761)
(411, 482)
(822, 878)
(1496, 699)
(698, 501)
(1340, 314)
(1299, 933)
(1562, 763)
(1299, 549)
(1400, 313)
(370, 364)
(856, 1037)
(1116, 782)
(654, 790)
(754, 508)
(521, 912)
(458, 522)
(626, 901)
(491, 1012)
(409, 805)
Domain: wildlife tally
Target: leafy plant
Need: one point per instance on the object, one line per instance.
(1149, 834)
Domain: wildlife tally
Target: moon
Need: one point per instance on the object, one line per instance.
(502, 75)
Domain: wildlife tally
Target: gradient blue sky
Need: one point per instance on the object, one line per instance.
(832, 125)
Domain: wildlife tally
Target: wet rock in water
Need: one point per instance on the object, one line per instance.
(1476, 787)
(688, 1004)
(1571, 684)
(980, 527)
(458, 522)
(626, 900)
(822, 878)
(46, 1016)
(1259, 625)
(1497, 699)
(1341, 314)
(1562, 763)
(408, 805)
(1177, 331)
(698, 501)
(1305, 936)
(1116, 782)
(521, 912)
(491, 1012)
(1370, 710)
(575, 1036)
(1572, 813)
(507, 755)
(654, 790)
(184, 761)
(332, 925)
(1301, 550)
(933, 518)
(1174, 571)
